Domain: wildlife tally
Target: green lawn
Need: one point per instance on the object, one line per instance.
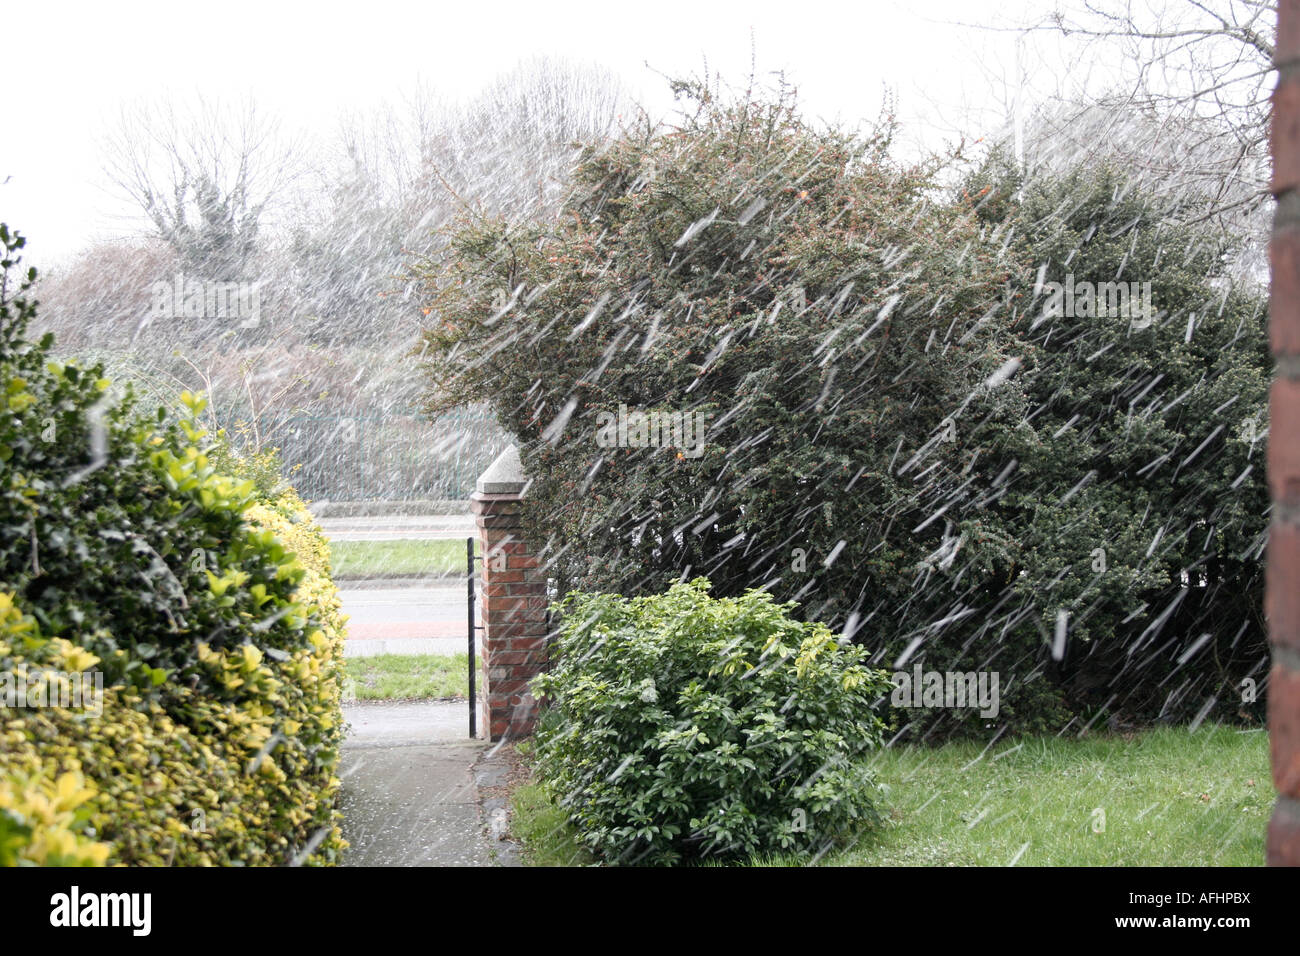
(1169, 797)
(360, 559)
(406, 676)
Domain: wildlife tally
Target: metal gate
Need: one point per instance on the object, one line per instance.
(470, 629)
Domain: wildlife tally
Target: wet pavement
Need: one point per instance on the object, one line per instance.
(409, 796)
(410, 773)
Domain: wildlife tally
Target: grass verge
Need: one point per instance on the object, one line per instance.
(406, 556)
(539, 826)
(1165, 797)
(407, 676)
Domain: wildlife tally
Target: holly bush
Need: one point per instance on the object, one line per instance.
(899, 435)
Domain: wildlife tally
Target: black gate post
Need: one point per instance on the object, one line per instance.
(469, 579)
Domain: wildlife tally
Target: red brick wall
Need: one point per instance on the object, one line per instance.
(513, 615)
(1283, 591)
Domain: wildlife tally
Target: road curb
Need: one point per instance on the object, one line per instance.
(492, 772)
(400, 580)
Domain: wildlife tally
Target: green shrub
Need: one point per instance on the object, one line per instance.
(682, 727)
(209, 612)
(1140, 510)
(261, 466)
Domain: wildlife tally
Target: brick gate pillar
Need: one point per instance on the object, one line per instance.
(513, 603)
(1283, 588)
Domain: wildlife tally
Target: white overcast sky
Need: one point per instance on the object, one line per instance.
(70, 67)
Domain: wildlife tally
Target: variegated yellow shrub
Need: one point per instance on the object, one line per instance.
(246, 791)
(195, 593)
(40, 820)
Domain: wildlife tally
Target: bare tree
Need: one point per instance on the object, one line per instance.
(396, 176)
(1189, 102)
(510, 150)
(203, 176)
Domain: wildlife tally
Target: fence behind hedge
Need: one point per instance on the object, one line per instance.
(394, 455)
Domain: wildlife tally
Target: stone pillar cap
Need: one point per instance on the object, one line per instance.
(505, 476)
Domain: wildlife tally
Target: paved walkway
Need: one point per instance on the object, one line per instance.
(416, 791)
(411, 783)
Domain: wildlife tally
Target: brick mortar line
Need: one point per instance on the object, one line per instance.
(1287, 806)
(1287, 657)
(1286, 211)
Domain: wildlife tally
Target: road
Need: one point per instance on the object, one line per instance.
(405, 620)
(394, 527)
(413, 617)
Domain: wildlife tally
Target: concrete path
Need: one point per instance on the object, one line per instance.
(416, 791)
(400, 723)
(409, 795)
(406, 645)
